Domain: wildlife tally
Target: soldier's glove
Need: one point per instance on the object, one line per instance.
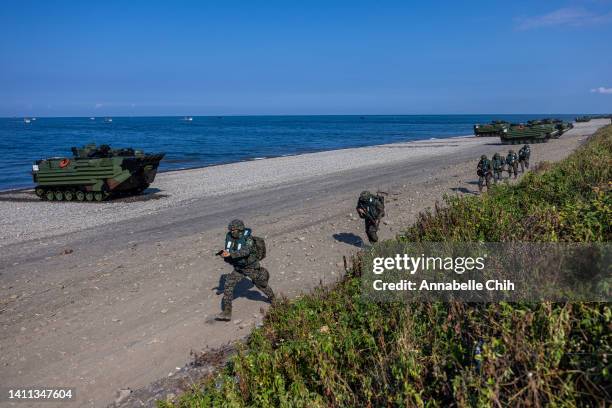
(225, 254)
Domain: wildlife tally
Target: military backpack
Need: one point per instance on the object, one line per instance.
(370, 207)
(259, 245)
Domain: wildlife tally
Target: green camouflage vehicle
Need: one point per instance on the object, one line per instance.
(563, 126)
(583, 119)
(520, 134)
(494, 128)
(558, 124)
(94, 173)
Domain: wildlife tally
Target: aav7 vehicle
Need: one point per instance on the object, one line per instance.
(94, 173)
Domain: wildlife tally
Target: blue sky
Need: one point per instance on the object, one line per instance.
(84, 58)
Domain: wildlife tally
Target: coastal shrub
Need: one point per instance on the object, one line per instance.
(334, 348)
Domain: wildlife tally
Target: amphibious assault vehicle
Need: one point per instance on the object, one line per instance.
(495, 128)
(583, 119)
(94, 173)
(563, 126)
(519, 134)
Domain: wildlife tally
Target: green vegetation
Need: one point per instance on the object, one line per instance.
(333, 348)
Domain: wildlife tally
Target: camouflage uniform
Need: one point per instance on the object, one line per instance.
(484, 172)
(498, 167)
(372, 210)
(523, 155)
(243, 258)
(512, 162)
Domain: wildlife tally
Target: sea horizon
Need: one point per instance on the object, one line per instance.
(544, 115)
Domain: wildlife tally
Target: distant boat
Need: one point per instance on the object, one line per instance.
(92, 118)
(26, 120)
(188, 118)
(108, 120)
(33, 118)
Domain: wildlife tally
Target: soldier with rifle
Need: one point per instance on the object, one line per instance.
(512, 162)
(243, 251)
(484, 172)
(498, 167)
(523, 157)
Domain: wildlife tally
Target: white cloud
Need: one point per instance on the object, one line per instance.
(602, 90)
(572, 17)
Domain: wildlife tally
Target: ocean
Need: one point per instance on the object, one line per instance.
(210, 140)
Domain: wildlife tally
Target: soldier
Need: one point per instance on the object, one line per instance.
(484, 172)
(498, 167)
(243, 252)
(523, 155)
(512, 162)
(371, 208)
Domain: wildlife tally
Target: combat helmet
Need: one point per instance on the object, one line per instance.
(483, 157)
(511, 151)
(496, 155)
(365, 194)
(236, 224)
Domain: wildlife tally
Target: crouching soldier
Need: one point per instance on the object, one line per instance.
(484, 173)
(371, 208)
(512, 162)
(243, 251)
(523, 157)
(498, 167)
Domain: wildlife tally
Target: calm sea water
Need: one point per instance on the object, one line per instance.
(214, 140)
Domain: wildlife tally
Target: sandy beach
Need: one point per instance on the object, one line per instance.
(114, 295)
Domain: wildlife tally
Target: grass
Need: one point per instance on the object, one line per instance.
(332, 348)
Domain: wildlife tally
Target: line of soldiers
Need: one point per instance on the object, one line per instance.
(244, 251)
(494, 168)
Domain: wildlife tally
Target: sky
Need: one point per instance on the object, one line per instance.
(139, 58)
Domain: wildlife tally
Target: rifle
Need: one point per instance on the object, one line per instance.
(219, 253)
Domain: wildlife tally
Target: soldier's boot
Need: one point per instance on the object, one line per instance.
(224, 316)
(226, 313)
(269, 293)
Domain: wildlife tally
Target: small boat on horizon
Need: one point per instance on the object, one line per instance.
(188, 119)
(27, 120)
(108, 120)
(92, 118)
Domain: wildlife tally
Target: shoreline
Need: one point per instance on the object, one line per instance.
(29, 218)
(32, 218)
(306, 152)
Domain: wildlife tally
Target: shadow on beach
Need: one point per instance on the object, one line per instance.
(464, 190)
(349, 238)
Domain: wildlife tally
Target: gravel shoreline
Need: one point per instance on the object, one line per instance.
(26, 218)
